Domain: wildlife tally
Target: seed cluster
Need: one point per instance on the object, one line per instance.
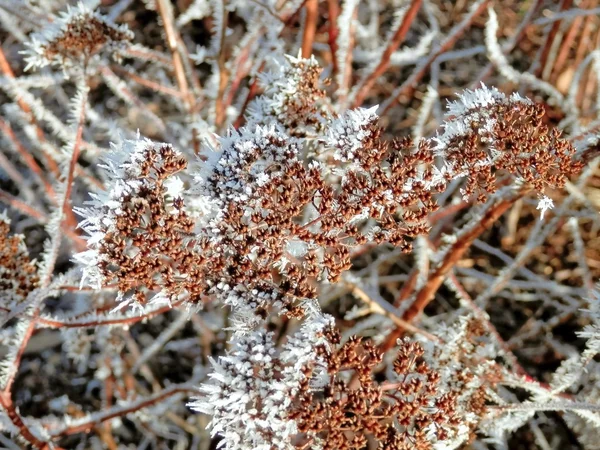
(145, 248)
(293, 97)
(352, 411)
(75, 37)
(84, 37)
(506, 135)
(18, 275)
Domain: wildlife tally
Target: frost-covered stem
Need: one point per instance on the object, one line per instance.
(8, 72)
(385, 309)
(6, 393)
(15, 418)
(23, 336)
(45, 276)
(310, 26)
(242, 67)
(510, 73)
(251, 94)
(511, 43)
(75, 154)
(580, 252)
(146, 54)
(80, 426)
(222, 59)
(534, 240)
(147, 83)
(345, 44)
(24, 208)
(91, 323)
(384, 62)
(164, 337)
(17, 204)
(457, 250)
(333, 9)
(484, 318)
(421, 70)
(166, 13)
(27, 158)
(122, 91)
(452, 256)
(553, 406)
(545, 53)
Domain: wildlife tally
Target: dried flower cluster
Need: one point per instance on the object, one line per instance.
(75, 37)
(18, 274)
(409, 414)
(209, 243)
(138, 228)
(293, 97)
(489, 133)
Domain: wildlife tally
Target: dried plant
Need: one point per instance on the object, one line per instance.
(210, 243)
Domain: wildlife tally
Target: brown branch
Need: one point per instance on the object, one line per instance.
(147, 83)
(122, 411)
(384, 62)
(420, 71)
(8, 72)
(127, 321)
(17, 420)
(545, 53)
(251, 94)
(27, 158)
(166, 12)
(310, 25)
(453, 255)
(333, 9)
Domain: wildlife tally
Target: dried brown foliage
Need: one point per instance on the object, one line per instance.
(354, 411)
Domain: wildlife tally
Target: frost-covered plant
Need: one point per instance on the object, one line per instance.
(74, 37)
(238, 248)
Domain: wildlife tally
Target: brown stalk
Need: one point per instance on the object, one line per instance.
(425, 295)
(409, 86)
(17, 204)
(8, 72)
(310, 26)
(147, 83)
(566, 45)
(243, 68)
(27, 158)
(333, 9)
(24, 208)
(15, 418)
(545, 53)
(166, 13)
(436, 278)
(384, 63)
(107, 415)
(147, 55)
(251, 94)
(51, 323)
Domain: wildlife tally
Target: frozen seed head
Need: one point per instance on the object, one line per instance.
(487, 134)
(74, 37)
